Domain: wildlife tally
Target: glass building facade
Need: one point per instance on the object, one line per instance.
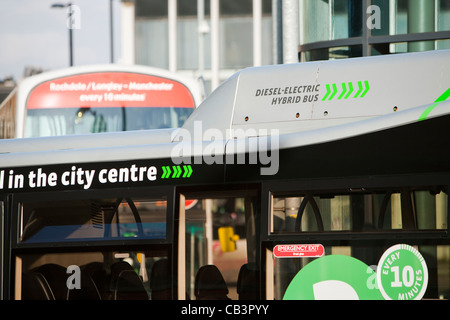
(193, 35)
(331, 29)
(235, 33)
(323, 30)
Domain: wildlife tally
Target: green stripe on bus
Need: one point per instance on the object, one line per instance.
(328, 92)
(344, 91)
(176, 172)
(332, 90)
(438, 101)
(360, 89)
(350, 86)
(366, 90)
(335, 91)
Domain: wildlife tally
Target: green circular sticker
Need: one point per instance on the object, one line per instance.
(334, 277)
(402, 273)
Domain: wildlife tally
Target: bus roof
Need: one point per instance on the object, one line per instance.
(305, 103)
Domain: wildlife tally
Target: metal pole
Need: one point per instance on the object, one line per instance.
(70, 35)
(70, 47)
(277, 50)
(215, 43)
(127, 37)
(172, 16)
(421, 15)
(111, 30)
(201, 35)
(209, 230)
(366, 32)
(290, 31)
(257, 32)
(70, 26)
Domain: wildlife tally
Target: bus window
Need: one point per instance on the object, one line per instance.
(66, 121)
(347, 216)
(361, 285)
(360, 210)
(56, 221)
(205, 257)
(106, 275)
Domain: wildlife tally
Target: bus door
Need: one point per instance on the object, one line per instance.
(218, 256)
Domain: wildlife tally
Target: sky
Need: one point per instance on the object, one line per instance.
(32, 34)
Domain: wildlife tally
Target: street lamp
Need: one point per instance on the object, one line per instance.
(68, 5)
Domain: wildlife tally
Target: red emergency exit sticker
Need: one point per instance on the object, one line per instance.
(298, 251)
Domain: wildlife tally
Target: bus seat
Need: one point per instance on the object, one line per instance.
(126, 283)
(248, 284)
(97, 276)
(209, 284)
(36, 287)
(49, 281)
(57, 277)
(298, 222)
(160, 282)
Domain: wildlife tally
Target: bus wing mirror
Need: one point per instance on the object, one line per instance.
(227, 239)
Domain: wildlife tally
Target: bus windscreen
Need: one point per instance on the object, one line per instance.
(106, 102)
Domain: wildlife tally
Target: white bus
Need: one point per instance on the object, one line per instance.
(98, 98)
(316, 180)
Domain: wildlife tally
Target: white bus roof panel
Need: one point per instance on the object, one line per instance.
(346, 90)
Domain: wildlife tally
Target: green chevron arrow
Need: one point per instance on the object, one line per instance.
(187, 171)
(347, 91)
(176, 171)
(335, 91)
(367, 89)
(445, 96)
(344, 91)
(328, 92)
(350, 85)
(166, 172)
(360, 89)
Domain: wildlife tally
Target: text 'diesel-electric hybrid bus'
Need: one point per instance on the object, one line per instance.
(98, 98)
(317, 180)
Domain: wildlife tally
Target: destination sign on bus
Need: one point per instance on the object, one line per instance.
(100, 175)
(110, 89)
(298, 251)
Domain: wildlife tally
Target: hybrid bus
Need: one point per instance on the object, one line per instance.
(98, 98)
(316, 180)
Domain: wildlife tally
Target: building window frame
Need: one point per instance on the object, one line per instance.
(369, 41)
